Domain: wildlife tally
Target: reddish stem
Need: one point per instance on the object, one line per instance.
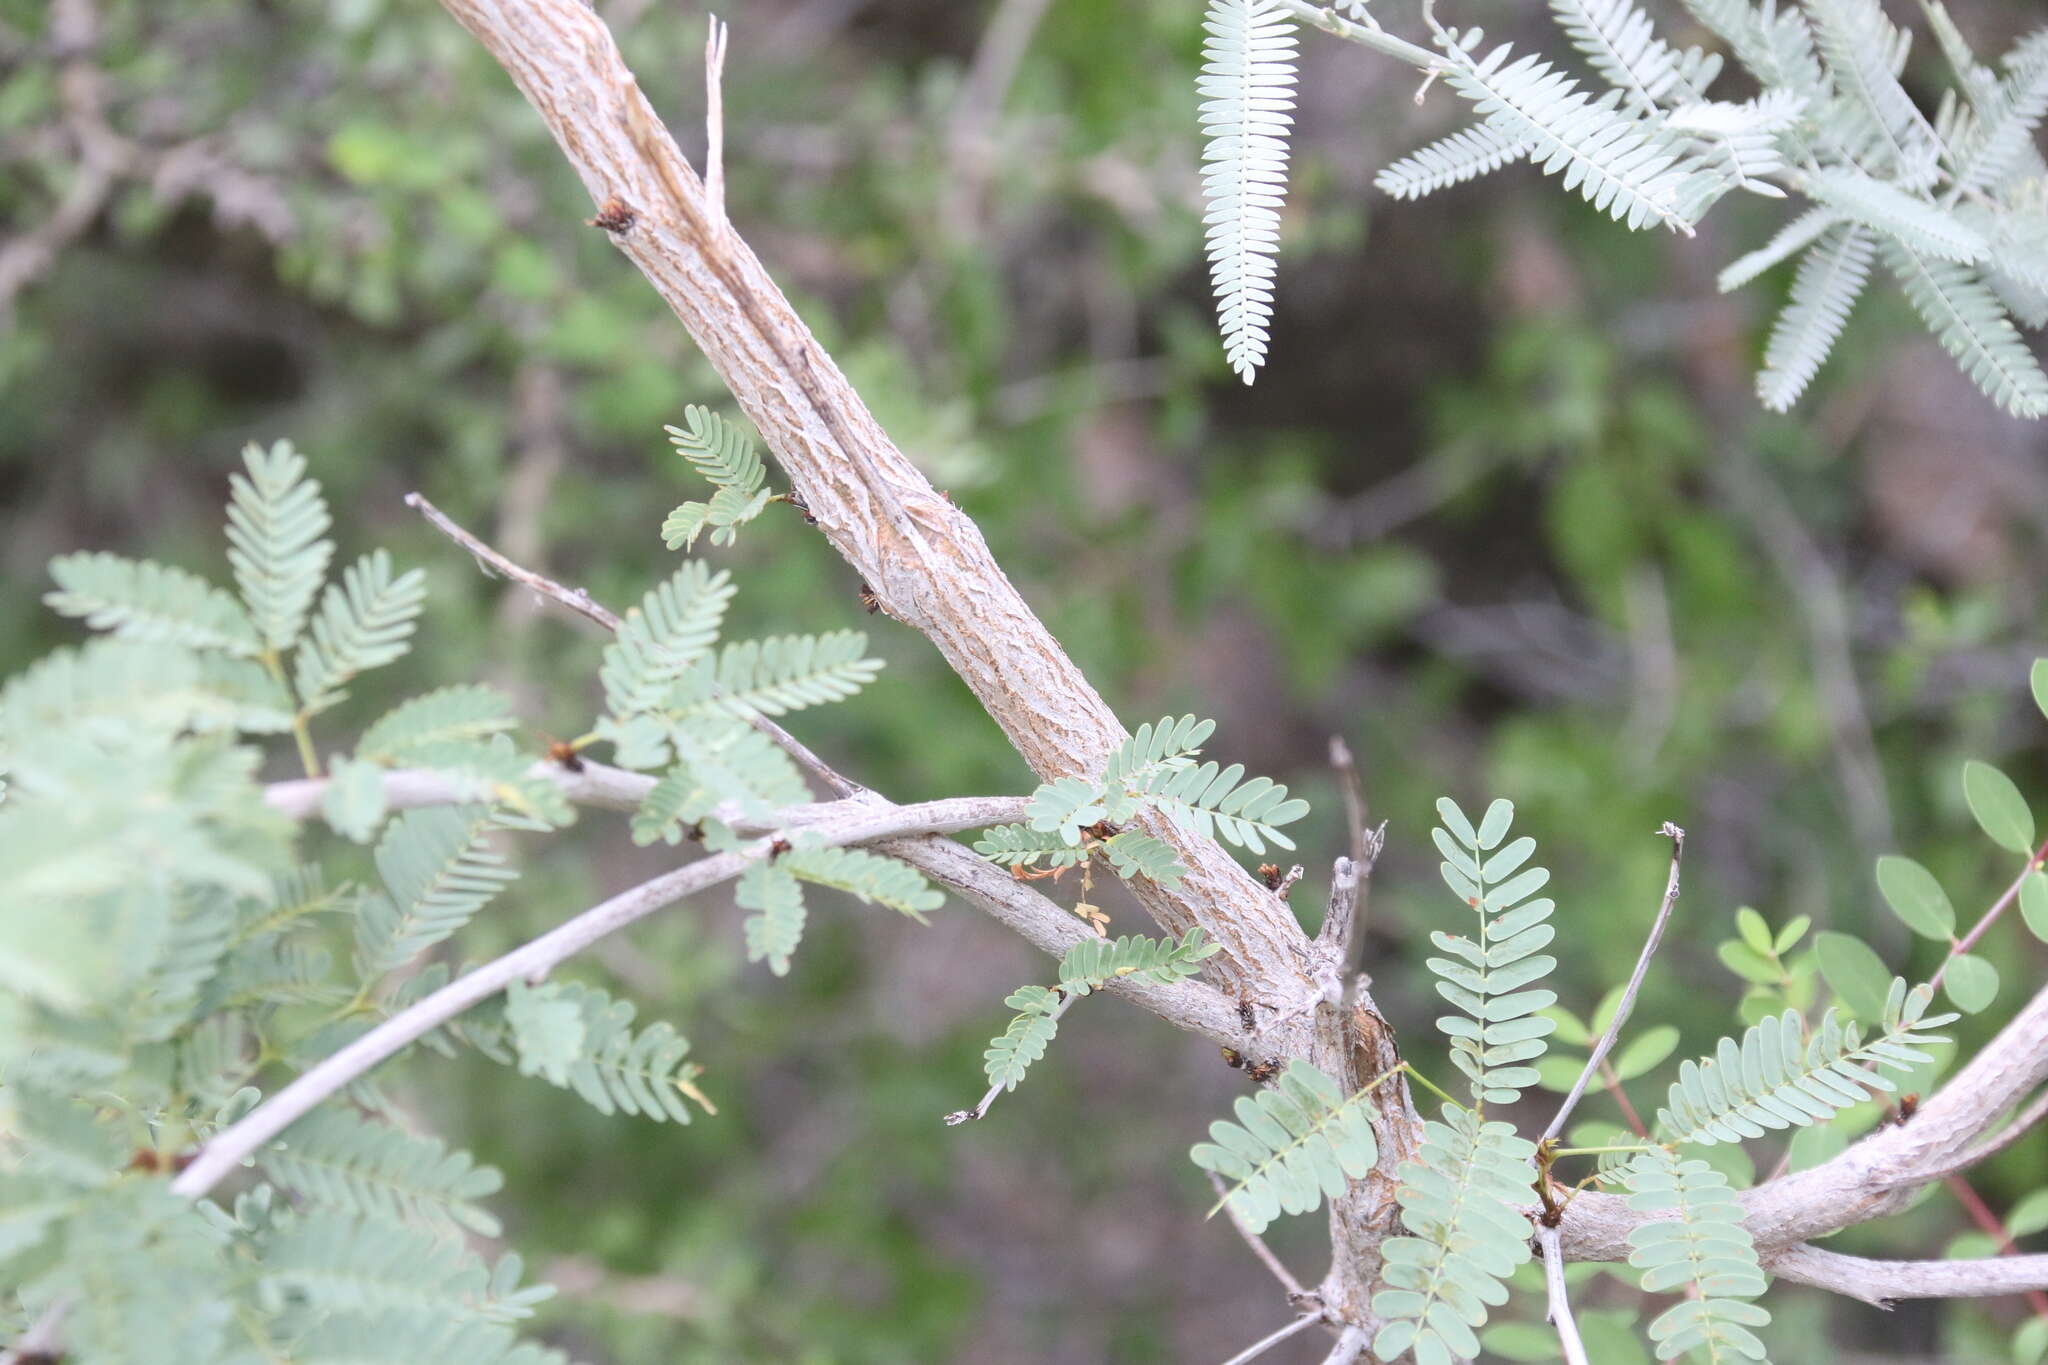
(1628, 1111)
(1969, 940)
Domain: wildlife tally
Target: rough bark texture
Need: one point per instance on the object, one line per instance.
(929, 566)
(924, 559)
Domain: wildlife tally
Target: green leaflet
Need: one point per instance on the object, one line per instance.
(1777, 1078)
(1952, 203)
(1466, 1235)
(1155, 769)
(1492, 978)
(1087, 966)
(1699, 1248)
(582, 1039)
(1011, 1053)
(374, 1171)
(139, 600)
(776, 926)
(1093, 962)
(1293, 1145)
(723, 454)
(364, 622)
(439, 869)
(277, 541)
(1247, 90)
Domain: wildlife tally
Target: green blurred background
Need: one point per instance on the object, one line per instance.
(1501, 512)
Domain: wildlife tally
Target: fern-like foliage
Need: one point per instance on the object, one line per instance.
(1215, 801)
(1969, 320)
(364, 622)
(1460, 1198)
(1492, 976)
(777, 675)
(1465, 1236)
(1830, 280)
(1011, 1053)
(1293, 1145)
(725, 455)
(1957, 203)
(776, 925)
(1874, 118)
(439, 869)
(662, 639)
(1699, 1247)
(1616, 163)
(1023, 846)
(1777, 1077)
(1619, 41)
(1086, 967)
(371, 1170)
(425, 724)
(1094, 962)
(1156, 768)
(1451, 160)
(277, 541)
(582, 1039)
(1247, 90)
(141, 600)
(870, 877)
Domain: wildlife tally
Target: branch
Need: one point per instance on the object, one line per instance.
(1296, 1295)
(852, 822)
(1350, 1347)
(575, 599)
(1879, 1282)
(1560, 1311)
(596, 784)
(1635, 983)
(1874, 1177)
(1272, 1339)
(924, 559)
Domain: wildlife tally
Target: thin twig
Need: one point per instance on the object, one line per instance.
(1560, 1311)
(1990, 917)
(583, 604)
(1272, 1339)
(1635, 983)
(575, 599)
(864, 821)
(1295, 1293)
(1992, 1146)
(1350, 1347)
(1354, 796)
(979, 1111)
(714, 119)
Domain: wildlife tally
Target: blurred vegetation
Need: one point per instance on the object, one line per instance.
(1501, 513)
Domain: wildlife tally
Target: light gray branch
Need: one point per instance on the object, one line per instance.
(853, 822)
(923, 558)
(1880, 1282)
(1560, 1311)
(1296, 1295)
(1350, 1347)
(1874, 1177)
(1272, 1339)
(406, 788)
(1635, 984)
